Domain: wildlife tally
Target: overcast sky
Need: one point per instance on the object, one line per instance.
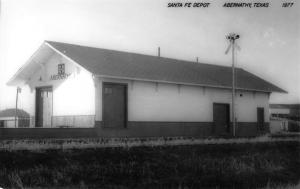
(269, 36)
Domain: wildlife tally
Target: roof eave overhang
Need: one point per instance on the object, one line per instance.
(183, 83)
(13, 81)
(65, 56)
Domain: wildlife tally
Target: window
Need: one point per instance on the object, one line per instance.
(61, 69)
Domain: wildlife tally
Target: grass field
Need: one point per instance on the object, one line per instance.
(255, 165)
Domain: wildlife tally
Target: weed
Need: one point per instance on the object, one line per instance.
(243, 165)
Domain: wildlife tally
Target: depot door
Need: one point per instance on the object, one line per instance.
(260, 118)
(114, 105)
(221, 118)
(44, 103)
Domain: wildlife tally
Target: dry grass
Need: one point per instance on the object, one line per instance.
(288, 186)
(85, 143)
(246, 165)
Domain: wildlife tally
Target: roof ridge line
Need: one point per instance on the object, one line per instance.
(139, 54)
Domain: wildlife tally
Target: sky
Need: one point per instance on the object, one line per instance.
(269, 40)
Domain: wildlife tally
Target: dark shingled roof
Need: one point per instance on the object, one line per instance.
(144, 67)
(11, 113)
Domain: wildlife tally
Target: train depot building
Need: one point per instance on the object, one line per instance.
(79, 91)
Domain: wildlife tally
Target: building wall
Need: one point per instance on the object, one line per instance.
(152, 102)
(10, 122)
(153, 108)
(72, 96)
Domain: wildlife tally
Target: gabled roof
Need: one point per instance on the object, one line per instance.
(125, 65)
(112, 63)
(11, 113)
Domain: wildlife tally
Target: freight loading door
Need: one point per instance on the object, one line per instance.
(114, 105)
(221, 118)
(260, 118)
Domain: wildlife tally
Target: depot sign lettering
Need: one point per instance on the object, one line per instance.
(59, 77)
(60, 73)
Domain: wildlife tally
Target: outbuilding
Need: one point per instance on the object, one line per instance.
(14, 118)
(85, 91)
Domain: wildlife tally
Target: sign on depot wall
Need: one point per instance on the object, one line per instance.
(61, 74)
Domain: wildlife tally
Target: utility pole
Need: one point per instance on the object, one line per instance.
(17, 95)
(232, 37)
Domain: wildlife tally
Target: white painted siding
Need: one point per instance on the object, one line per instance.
(246, 106)
(148, 101)
(72, 96)
(9, 122)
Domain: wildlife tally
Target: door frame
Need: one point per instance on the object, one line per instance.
(228, 117)
(126, 103)
(260, 127)
(36, 104)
